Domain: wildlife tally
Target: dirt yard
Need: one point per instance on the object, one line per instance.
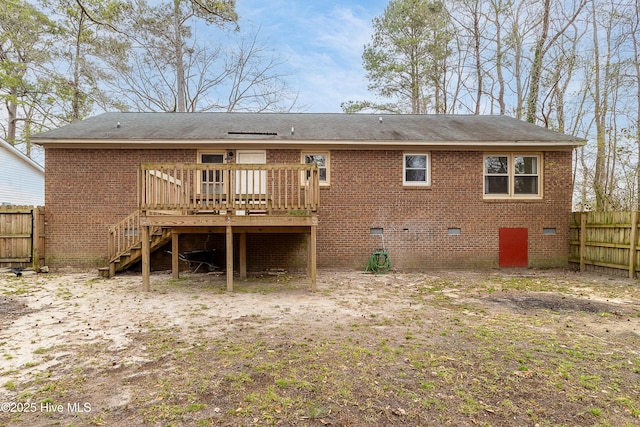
(487, 348)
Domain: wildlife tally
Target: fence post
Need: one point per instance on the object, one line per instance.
(583, 239)
(35, 238)
(633, 243)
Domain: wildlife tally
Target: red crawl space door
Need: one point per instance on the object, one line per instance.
(514, 244)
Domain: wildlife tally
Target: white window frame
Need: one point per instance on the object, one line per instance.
(199, 160)
(222, 153)
(511, 176)
(427, 181)
(326, 182)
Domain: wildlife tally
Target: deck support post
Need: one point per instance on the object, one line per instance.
(313, 253)
(243, 255)
(111, 245)
(146, 258)
(175, 265)
(229, 256)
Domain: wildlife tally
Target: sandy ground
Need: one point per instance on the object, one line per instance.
(48, 311)
(44, 312)
(46, 318)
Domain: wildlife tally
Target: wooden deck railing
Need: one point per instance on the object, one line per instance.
(228, 187)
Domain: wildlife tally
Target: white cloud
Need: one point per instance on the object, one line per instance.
(323, 44)
(343, 32)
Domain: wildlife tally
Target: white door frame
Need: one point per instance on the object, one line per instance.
(251, 181)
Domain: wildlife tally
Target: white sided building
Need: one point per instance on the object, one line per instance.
(21, 178)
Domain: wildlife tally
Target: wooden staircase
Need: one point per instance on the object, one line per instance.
(125, 244)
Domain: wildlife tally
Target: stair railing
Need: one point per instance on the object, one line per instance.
(124, 235)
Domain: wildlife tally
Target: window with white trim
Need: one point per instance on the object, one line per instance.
(212, 182)
(322, 160)
(416, 169)
(512, 175)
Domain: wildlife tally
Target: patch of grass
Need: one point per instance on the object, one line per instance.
(238, 379)
(596, 412)
(565, 370)
(316, 410)
(469, 405)
(20, 289)
(42, 350)
(97, 420)
(64, 293)
(428, 385)
(591, 382)
(532, 284)
(166, 412)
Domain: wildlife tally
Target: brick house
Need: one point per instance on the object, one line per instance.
(292, 190)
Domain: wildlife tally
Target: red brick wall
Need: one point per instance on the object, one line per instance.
(88, 190)
(366, 191)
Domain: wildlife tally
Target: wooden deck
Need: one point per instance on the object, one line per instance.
(194, 188)
(176, 199)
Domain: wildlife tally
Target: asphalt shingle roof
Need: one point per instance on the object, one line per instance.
(318, 127)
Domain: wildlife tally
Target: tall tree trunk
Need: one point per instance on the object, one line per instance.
(476, 49)
(12, 117)
(536, 67)
(499, 54)
(181, 98)
(584, 201)
(543, 44)
(636, 64)
(599, 178)
(517, 70)
(75, 99)
(416, 108)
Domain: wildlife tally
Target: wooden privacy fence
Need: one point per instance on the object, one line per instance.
(605, 239)
(21, 236)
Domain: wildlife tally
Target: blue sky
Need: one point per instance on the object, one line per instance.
(322, 42)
